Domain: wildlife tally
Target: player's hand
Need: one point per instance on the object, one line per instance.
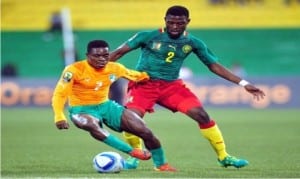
(62, 124)
(144, 77)
(256, 92)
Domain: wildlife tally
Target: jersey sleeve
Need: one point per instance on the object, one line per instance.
(137, 40)
(203, 52)
(132, 75)
(61, 92)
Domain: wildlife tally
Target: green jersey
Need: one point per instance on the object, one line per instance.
(162, 57)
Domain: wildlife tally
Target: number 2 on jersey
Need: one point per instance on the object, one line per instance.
(170, 57)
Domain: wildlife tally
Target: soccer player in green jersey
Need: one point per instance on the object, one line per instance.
(162, 54)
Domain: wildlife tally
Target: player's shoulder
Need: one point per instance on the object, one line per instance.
(150, 32)
(195, 40)
(76, 67)
(114, 65)
(79, 64)
(190, 35)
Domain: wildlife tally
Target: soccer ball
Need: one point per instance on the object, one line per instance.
(108, 162)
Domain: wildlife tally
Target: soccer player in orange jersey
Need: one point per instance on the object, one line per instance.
(85, 84)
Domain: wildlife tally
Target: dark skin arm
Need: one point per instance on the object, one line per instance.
(119, 52)
(215, 68)
(226, 74)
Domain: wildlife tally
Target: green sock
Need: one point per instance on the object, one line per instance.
(117, 144)
(158, 157)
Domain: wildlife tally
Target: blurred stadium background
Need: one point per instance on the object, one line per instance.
(262, 36)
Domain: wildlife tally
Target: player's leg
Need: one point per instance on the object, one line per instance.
(186, 102)
(136, 143)
(131, 139)
(139, 101)
(208, 129)
(133, 124)
(117, 94)
(92, 125)
(212, 133)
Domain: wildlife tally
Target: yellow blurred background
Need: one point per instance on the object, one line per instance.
(130, 14)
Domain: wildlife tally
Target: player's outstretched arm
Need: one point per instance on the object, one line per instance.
(226, 74)
(256, 92)
(119, 52)
(132, 75)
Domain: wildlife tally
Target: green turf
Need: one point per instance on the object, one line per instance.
(269, 139)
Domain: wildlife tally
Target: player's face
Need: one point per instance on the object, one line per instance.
(176, 25)
(98, 57)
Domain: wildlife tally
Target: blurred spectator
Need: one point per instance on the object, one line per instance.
(237, 69)
(55, 26)
(55, 22)
(9, 70)
(290, 2)
(217, 2)
(235, 2)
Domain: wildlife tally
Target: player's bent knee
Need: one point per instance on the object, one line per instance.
(146, 134)
(199, 115)
(99, 134)
(84, 121)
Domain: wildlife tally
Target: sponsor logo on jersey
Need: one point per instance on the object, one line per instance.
(172, 47)
(186, 48)
(67, 76)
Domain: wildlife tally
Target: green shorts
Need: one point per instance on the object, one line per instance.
(109, 113)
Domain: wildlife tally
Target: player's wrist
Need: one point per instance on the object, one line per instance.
(243, 83)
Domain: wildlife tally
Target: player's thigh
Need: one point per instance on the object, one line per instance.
(133, 124)
(82, 116)
(85, 121)
(182, 99)
(111, 113)
(142, 97)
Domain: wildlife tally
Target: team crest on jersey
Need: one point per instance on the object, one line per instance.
(112, 77)
(67, 76)
(186, 48)
(156, 45)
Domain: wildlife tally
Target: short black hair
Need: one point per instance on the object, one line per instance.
(178, 10)
(96, 44)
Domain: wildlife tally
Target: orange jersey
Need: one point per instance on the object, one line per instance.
(82, 84)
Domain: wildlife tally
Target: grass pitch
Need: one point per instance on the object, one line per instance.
(32, 147)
